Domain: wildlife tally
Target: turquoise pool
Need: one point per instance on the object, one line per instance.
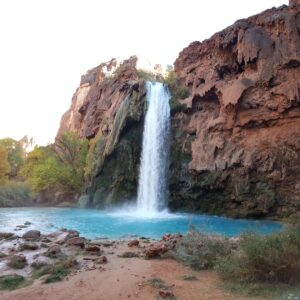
(93, 223)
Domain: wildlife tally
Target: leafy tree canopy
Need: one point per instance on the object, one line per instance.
(57, 167)
(4, 165)
(15, 155)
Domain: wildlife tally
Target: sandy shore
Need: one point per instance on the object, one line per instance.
(126, 278)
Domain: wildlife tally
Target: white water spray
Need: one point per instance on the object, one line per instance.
(152, 190)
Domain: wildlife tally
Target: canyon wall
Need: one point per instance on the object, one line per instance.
(235, 142)
(236, 138)
(108, 109)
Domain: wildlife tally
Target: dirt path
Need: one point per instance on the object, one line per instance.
(127, 278)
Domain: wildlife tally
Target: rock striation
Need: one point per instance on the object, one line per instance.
(236, 143)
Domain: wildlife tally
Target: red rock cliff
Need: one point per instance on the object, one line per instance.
(241, 124)
(108, 108)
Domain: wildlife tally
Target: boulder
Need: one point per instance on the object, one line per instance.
(17, 261)
(53, 250)
(76, 241)
(92, 248)
(29, 246)
(32, 235)
(133, 243)
(155, 250)
(62, 236)
(165, 293)
(101, 260)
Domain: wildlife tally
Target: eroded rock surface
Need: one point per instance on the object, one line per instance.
(236, 145)
(108, 109)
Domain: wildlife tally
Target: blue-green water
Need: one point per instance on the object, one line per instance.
(96, 223)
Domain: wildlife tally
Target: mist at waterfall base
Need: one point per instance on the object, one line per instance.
(149, 217)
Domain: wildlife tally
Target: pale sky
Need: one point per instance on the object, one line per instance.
(46, 45)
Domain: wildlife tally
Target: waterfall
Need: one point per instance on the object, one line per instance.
(152, 190)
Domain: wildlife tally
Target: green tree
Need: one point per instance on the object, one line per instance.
(15, 155)
(4, 165)
(58, 167)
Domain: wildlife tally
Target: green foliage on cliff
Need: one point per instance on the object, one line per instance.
(178, 91)
(15, 155)
(146, 75)
(58, 167)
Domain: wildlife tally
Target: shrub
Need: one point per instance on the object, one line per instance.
(128, 254)
(157, 283)
(17, 262)
(176, 106)
(10, 282)
(200, 251)
(146, 75)
(272, 258)
(56, 271)
(15, 193)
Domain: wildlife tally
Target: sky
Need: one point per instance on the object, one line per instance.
(46, 45)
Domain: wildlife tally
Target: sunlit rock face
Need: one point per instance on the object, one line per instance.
(236, 145)
(108, 108)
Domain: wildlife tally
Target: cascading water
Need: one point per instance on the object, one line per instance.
(152, 190)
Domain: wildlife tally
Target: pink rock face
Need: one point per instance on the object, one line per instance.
(242, 118)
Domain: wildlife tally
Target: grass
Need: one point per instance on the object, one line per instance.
(157, 283)
(189, 277)
(268, 291)
(15, 263)
(273, 258)
(128, 254)
(55, 272)
(11, 282)
(200, 251)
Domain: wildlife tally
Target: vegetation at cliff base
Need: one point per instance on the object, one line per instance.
(15, 156)
(4, 165)
(57, 167)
